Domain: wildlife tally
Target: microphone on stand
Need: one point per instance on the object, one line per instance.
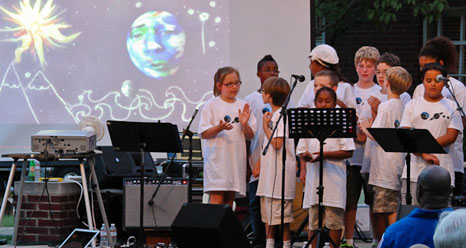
(300, 78)
(439, 78)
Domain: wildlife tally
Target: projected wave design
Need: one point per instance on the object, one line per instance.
(114, 106)
(38, 101)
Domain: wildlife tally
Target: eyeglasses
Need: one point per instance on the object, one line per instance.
(260, 91)
(230, 85)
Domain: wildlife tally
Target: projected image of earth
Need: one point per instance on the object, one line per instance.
(126, 60)
(155, 43)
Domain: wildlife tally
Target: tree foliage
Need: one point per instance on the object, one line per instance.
(342, 15)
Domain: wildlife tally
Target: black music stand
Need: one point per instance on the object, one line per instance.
(144, 137)
(407, 140)
(322, 123)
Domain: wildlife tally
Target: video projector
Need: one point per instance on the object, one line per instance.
(63, 141)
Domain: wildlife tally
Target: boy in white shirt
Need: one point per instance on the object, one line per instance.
(438, 115)
(386, 167)
(269, 167)
(324, 57)
(266, 67)
(364, 61)
(336, 150)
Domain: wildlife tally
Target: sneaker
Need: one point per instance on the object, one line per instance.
(345, 245)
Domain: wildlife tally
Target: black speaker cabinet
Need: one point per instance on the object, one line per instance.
(173, 193)
(208, 225)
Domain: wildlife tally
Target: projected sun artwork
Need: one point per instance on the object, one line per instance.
(127, 60)
(35, 25)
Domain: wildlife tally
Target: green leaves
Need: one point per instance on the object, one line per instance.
(341, 15)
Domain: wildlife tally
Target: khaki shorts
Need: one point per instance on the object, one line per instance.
(271, 210)
(385, 200)
(332, 218)
(413, 186)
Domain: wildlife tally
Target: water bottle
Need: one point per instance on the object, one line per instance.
(37, 171)
(103, 237)
(31, 171)
(327, 245)
(113, 232)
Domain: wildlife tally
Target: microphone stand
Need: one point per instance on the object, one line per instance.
(460, 109)
(282, 116)
(188, 133)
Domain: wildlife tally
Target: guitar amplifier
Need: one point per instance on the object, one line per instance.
(173, 193)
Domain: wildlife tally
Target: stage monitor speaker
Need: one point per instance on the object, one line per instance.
(208, 225)
(173, 193)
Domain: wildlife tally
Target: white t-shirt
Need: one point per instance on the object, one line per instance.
(270, 177)
(334, 173)
(344, 93)
(370, 144)
(364, 113)
(224, 155)
(386, 167)
(459, 90)
(436, 117)
(405, 98)
(258, 107)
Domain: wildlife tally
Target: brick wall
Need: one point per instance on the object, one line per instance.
(403, 38)
(44, 222)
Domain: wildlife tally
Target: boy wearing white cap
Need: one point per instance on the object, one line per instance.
(324, 57)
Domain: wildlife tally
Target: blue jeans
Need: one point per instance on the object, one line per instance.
(258, 227)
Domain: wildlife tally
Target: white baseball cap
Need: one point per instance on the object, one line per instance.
(324, 53)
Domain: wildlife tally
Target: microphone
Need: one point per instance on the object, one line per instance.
(439, 78)
(195, 113)
(300, 78)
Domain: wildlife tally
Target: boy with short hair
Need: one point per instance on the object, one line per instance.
(364, 61)
(269, 167)
(266, 67)
(387, 167)
(437, 114)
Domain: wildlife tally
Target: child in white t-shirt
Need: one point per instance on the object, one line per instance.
(336, 150)
(324, 57)
(266, 67)
(386, 167)
(224, 125)
(438, 115)
(364, 61)
(269, 167)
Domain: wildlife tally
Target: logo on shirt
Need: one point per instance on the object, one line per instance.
(227, 118)
(358, 100)
(265, 110)
(424, 115)
(397, 123)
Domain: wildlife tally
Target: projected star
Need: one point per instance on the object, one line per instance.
(36, 25)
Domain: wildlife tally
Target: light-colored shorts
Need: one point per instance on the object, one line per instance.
(271, 210)
(413, 186)
(385, 200)
(332, 219)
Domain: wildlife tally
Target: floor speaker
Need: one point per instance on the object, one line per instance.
(208, 225)
(173, 193)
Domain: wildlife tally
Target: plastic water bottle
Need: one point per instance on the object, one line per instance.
(31, 174)
(103, 237)
(37, 171)
(327, 245)
(113, 232)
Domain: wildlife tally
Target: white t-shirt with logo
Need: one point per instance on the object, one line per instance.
(386, 167)
(436, 117)
(334, 172)
(224, 155)
(270, 177)
(459, 90)
(364, 113)
(258, 107)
